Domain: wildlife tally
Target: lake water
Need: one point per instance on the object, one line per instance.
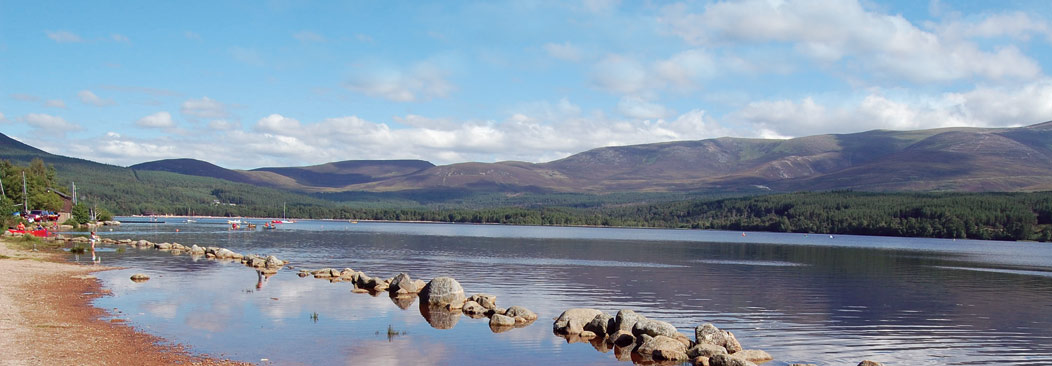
(803, 298)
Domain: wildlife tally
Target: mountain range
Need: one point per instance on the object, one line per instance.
(947, 159)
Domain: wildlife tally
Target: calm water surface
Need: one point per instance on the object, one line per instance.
(803, 298)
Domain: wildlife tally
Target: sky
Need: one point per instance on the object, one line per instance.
(248, 84)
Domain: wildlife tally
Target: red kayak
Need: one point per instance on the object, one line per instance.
(36, 233)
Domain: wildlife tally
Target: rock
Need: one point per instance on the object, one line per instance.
(708, 333)
(601, 324)
(381, 286)
(140, 277)
(486, 300)
(587, 334)
(729, 360)
(324, 273)
(500, 311)
(870, 363)
(662, 348)
(124, 241)
(163, 246)
(705, 350)
(195, 250)
(622, 339)
(759, 356)
(501, 320)
(224, 253)
(521, 315)
(274, 262)
(624, 321)
(572, 321)
(472, 308)
(402, 283)
(177, 246)
(303, 273)
(443, 291)
(654, 328)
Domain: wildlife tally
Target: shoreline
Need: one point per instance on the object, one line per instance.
(50, 318)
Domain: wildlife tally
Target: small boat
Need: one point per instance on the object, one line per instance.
(232, 222)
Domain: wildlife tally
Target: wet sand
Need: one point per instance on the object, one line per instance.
(47, 318)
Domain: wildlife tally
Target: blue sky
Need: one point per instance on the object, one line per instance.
(247, 84)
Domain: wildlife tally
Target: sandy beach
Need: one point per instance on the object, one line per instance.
(48, 318)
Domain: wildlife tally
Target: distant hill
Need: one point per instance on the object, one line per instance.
(949, 159)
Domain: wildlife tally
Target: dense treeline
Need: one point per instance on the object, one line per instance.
(999, 216)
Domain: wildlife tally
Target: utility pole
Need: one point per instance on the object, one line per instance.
(25, 196)
(2, 193)
(74, 193)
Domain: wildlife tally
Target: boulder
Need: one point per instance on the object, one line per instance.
(501, 320)
(163, 246)
(601, 324)
(443, 291)
(324, 273)
(662, 348)
(486, 300)
(708, 333)
(140, 277)
(521, 315)
(274, 262)
(195, 250)
(381, 285)
(729, 360)
(587, 334)
(403, 284)
(654, 328)
(124, 241)
(624, 321)
(870, 363)
(572, 321)
(177, 246)
(224, 253)
(705, 350)
(363, 280)
(472, 309)
(759, 356)
(303, 273)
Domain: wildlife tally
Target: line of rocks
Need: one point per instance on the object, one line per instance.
(634, 337)
(266, 264)
(442, 298)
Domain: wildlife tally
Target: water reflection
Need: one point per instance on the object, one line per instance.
(797, 298)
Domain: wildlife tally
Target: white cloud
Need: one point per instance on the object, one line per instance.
(621, 74)
(63, 36)
(308, 36)
(638, 108)
(563, 51)
(424, 80)
(1016, 25)
(277, 123)
(843, 31)
(55, 103)
(157, 120)
(204, 108)
(53, 125)
(980, 107)
(87, 97)
(117, 37)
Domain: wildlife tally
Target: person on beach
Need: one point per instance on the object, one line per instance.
(92, 239)
(21, 227)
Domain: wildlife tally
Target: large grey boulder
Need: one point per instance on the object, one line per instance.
(443, 291)
(624, 321)
(402, 284)
(194, 250)
(163, 246)
(521, 315)
(662, 348)
(654, 328)
(572, 321)
(224, 253)
(600, 325)
(729, 360)
(708, 333)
